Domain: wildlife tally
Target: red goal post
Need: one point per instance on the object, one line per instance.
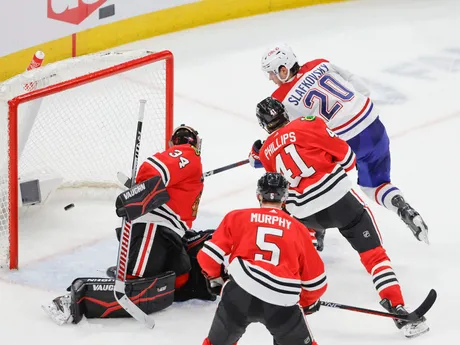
(162, 85)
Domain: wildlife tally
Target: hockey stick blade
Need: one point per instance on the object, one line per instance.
(130, 307)
(411, 317)
(123, 179)
(426, 305)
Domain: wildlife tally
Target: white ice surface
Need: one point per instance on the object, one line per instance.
(409, 53)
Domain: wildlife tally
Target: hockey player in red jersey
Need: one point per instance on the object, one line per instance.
(322, 89)
(315, 162)
(163, 247)
(273, 267)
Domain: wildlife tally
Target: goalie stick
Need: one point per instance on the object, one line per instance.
(119, 290)
(126, 181)
(416, 315)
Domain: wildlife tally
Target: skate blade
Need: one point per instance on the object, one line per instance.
(423, 235)
(411, 335)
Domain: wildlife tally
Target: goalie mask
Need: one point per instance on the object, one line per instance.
(271, 114)
(185, 135)
(272, 187)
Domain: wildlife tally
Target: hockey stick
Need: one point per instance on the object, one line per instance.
(119, 290)
(416, 315)
(126, 181)
(224, 168)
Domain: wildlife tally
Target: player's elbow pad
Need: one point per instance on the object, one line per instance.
(142, 198)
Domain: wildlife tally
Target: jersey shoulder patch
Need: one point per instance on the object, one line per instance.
(308, 118)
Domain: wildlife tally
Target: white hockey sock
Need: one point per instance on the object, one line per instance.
(383, 194)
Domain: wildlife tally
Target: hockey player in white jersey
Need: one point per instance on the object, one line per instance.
(341, 99)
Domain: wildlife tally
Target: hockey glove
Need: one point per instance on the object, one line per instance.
(312, 308)
(254, 154)
(214, 284)
(142, 198)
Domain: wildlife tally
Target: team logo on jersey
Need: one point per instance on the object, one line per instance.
(197, 151)
(309, 118)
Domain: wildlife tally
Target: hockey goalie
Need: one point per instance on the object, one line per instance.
(162, 265)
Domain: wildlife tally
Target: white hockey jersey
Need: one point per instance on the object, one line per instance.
(330, 93)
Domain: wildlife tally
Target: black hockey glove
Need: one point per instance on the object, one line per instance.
(312, 308)
(193, 240)
(215, 283)
(142, 198)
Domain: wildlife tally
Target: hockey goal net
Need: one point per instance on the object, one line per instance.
(76, 128)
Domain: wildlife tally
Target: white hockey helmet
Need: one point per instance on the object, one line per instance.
(274, 58)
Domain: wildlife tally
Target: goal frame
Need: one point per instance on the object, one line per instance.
(13, 105)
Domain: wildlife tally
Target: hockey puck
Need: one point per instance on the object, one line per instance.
(69, 206)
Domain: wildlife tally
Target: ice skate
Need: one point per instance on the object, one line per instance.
(409, 329)
(59, 310)
(412, 218)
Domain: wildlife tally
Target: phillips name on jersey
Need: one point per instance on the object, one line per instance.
(313, 160)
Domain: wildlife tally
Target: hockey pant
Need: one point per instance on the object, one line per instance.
(356, 223)
(373, 163)
(237, 309)
(155, 249)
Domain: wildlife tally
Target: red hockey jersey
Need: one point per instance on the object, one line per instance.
(313, 160)
(271, 256)
(182, 173)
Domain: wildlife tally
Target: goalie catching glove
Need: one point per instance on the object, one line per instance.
(141, 198)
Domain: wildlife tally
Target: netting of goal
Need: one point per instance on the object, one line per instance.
(76, 127)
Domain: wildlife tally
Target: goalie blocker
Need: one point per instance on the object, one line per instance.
(141, 198)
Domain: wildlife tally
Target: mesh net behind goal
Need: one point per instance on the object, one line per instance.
(84, 134)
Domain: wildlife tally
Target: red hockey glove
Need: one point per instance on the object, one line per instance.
(254, 154)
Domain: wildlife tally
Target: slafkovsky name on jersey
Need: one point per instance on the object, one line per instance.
(306, 83)
(272, 220)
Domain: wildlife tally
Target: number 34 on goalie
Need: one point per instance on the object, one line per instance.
(182, 160)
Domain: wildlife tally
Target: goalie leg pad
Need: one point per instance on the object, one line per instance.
(141, 198)
(94, 298)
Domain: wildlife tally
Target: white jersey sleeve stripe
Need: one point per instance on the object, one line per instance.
(212, 254)
(161, 168)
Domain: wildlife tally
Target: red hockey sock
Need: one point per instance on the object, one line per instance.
(181, 280)
(207, 342)
(378, 265)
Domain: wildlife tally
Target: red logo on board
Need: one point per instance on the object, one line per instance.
(72, 11)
